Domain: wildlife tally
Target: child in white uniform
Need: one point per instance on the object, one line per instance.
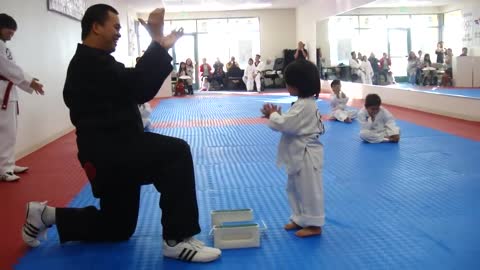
(11, 78)
(300, 150)
(338, 104)
(249, 75)
(145, 111)
(377, 123)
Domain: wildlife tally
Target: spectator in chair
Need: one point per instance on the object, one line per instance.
(232, 64)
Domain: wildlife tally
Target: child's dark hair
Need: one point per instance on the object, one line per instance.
(8, 22)
(303, 75)
(335, 82)
(372, 100)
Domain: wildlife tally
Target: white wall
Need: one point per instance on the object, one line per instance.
(43, 45)
(277, 27)
(312, 11)
(322, 40)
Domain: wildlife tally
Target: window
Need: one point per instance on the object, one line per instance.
(398, 21)
(424, 39)
(373, 21)
(453, 31)
(224, 38)
(212, 26)
(371, 41)
(189, 26)
(425, 20)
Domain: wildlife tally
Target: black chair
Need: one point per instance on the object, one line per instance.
(276, 73)
(234, 79)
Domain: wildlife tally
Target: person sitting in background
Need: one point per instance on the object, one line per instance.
(447, 78)
(190, 70)
(338, 104)
(385, 64)
(359, 56)
(205, 71)
(464, 51)
(374, 63)
(218, 73)
(145, 112)
(412, 67)
(419, 66)
(428, 70)
(184, 77)
(232, 64)
(449, 58)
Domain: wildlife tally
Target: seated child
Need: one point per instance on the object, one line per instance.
(300, 149)
(339, 104)
(376, 123)
(145, 111)
(447, 78)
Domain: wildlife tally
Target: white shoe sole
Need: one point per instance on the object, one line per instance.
(22, 170)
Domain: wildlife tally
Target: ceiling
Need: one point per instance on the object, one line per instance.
(219, 5)
(210, 5)
(409, 3)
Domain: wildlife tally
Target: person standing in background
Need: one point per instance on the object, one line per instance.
(11, 77)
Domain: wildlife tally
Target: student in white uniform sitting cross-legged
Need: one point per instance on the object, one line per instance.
(300, 150)
(377, 123)
(11, 78)
(338, 104)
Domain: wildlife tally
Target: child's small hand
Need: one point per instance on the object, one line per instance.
(268, 109)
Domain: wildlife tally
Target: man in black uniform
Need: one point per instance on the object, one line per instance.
(116, 153)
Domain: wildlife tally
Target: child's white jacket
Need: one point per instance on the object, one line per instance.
(10, 70)
(301, 127)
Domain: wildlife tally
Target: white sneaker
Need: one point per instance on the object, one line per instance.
(20, 169)
(191, 250)
(34, 227)
(9, 177)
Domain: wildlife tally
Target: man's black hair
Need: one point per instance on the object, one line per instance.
(95, 14)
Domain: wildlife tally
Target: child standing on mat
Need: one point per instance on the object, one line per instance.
(300, 149)
(377, 123)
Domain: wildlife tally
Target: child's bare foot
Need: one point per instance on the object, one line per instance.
(309, 231)
(292, 226)
(394, 138)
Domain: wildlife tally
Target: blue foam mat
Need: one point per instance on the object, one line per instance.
(412, 205)
(459, 92)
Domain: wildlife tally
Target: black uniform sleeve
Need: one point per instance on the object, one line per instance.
(144, 81)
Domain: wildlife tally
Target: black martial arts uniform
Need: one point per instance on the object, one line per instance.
(117, 154)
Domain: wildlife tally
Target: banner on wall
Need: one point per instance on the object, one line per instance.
(471, 24)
